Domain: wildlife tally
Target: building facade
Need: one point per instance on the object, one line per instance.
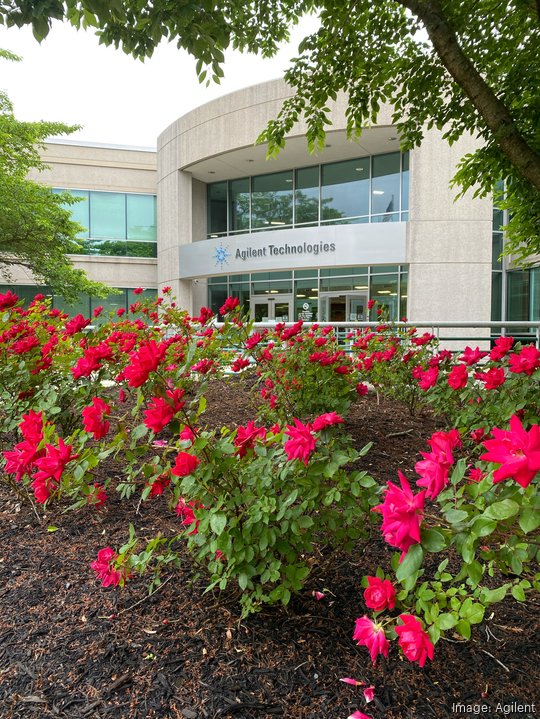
(311, 236)
(116, 188)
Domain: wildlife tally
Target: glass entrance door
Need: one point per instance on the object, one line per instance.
(344, 308)
(272, 309)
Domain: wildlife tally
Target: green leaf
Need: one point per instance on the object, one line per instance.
(529, 519)
(51, 528)
(446, 621)
(463, 628)
(518, 593)
(490, 596)
(455, 516)
(243, 580)
(502, 510)
(411, 563)
(433, 540)
(483, 526)
(218, 522)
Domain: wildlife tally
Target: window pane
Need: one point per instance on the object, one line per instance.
(81, 306)
(105, 248)
(79, 210)
(496, 298)
(405, 182)
(141, 249)
(384, 289)
(108, 215)
(306, 201)
(385, 183)
(217, 208)
(217, 294)
(109, 304)
(497, 245)
(271, 200)
(345, 189)
(141, 217)
(239, 198)
(518, 295)
(498, 220)
(337, 284)
(403, 295)
(535, 293)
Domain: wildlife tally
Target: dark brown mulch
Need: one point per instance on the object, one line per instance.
(72, 650)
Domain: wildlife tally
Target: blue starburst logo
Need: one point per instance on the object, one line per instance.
(220, 255)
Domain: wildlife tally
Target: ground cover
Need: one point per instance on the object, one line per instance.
(71, 649)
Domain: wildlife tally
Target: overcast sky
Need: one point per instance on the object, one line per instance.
(118, 100)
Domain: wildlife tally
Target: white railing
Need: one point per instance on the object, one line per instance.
(525, 330)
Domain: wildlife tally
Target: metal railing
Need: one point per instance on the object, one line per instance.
(524, 331)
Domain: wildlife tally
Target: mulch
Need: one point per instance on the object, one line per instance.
(72, 650)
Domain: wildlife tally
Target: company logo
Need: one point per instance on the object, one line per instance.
(220, 255)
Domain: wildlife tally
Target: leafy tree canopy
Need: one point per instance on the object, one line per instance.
(36, 230)
(462, 66)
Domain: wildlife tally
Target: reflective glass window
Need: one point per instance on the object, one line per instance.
(345, 189)
(217, 208)
(498, 220)
(337, 284)
(394, 217)
(384, 289)
(80, 211)
(141, 217)
(496, 297)
(306, 196)
(80, 306)
(403, 283)
(535, 293)
(108, 215)
(239, 205)
(271, 200)
(497, 246)
(518, 295)
(385, 183)
(110, 304)
(217, 294)
(405, 182)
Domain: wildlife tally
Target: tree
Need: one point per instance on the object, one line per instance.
(463, 66)
(36, 230)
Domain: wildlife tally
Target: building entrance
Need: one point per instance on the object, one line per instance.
(343, 308)
(276, 308)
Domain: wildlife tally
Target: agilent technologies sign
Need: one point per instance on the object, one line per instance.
(268, 250)
(303, 247)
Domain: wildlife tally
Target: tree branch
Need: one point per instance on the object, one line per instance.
(492, 110)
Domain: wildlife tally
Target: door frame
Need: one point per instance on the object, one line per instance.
(271, 304)
(326, 296)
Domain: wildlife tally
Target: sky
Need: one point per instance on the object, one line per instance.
(118, 100)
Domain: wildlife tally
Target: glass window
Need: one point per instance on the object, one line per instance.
(217, 208)
(518, 295)
(385, 183)
(80, 211)
(141, 249)
(271, 200)
(239, 199)
(384, 289)
(384, 269)
(498, 220)
(217, 294)
(141, 217)
(405, 182)
(394, 217)
(345, 189)
(110, 304)
(305, 273)
(306, 196)
(404, 281)
(285, 275)
(535, 293)
(337, 284)
(240, 290)
(497, 246)
(80, 306)
(496, 298)
(108, 215)
(105, 248)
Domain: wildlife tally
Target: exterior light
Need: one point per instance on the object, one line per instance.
(211, 172)
(378, 192)
(392, 138)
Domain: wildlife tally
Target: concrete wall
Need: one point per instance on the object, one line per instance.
(113, 169)
(449, 242)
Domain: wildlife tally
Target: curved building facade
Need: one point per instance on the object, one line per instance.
(316, 236)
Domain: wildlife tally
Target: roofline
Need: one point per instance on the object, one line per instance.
(104, 145)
